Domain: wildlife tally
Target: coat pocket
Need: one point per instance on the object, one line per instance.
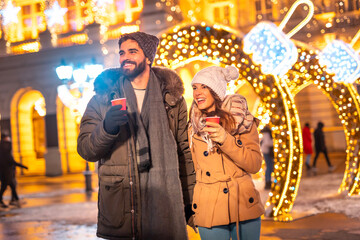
(111, 203)
(252, 197)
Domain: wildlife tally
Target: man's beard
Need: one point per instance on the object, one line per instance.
(135, 72)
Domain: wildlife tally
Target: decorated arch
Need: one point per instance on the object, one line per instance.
(345, 100)
(221, 45)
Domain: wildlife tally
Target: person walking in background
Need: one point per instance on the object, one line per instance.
(225, 154)
(320, 146)
(7, 171)
(307, 144)
(146, 175)
(267, 148)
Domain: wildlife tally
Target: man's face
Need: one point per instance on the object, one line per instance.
(132, 59)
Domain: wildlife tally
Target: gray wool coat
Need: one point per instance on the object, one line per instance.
(119, 190)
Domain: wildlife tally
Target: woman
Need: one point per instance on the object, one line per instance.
(225, 202)
(267, 149)
(307, 143)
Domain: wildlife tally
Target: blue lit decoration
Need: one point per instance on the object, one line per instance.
(342, 60)
(270, 48)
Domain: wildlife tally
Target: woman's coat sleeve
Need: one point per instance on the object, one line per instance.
(244, 150)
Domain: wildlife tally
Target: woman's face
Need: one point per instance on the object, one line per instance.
(203, 98)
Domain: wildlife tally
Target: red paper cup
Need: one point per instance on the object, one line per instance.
(119, 101)
(213, 119)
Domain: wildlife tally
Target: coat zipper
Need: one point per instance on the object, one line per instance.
(131, 192)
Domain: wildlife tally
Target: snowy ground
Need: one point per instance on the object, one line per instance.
(62, 214)
(319, 194)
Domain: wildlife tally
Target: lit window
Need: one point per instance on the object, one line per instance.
(78, 14)
(263, 10)
(352, 5)
(221, 10)
(31, 21)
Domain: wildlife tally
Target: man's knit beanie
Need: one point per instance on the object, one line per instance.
(216, 78)
(147, 42)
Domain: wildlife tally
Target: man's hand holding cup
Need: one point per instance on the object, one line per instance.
(116, 116)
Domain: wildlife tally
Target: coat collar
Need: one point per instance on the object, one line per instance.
(105, 84)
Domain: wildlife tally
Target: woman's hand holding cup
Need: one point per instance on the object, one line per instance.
(216, 132)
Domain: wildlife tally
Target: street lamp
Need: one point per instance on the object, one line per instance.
(80, 78)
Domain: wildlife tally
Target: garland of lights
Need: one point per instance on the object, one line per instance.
(220, 45)
(53, 13)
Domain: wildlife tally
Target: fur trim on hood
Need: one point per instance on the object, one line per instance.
(170, 82)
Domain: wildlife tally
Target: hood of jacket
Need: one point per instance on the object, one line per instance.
(170, 82)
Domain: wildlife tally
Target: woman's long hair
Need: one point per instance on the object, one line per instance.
(227, 120)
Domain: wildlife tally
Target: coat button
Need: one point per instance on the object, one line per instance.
(239, 142)
(218, 151)
(194, 206)
(226, 190)
(251, 200)
(206, 153)
(107, 187)
(208, 174)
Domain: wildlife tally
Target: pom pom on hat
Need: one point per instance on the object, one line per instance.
(216, 78)
(230, 73)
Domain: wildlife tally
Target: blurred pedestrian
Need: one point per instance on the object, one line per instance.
(7, 171)
(267, 148)
(225, 154)
(146, 175)
(307, 144)
(320, 146)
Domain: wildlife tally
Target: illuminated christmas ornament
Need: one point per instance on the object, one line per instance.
(342, 60)
(9, 14)
(273, 49)
(270, 48)
(55, 15)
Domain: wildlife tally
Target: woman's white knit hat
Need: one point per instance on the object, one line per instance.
(216, 78)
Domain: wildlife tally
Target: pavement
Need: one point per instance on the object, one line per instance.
(59, 208)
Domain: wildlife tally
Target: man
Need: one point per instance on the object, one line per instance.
(320, 146)
(146, 175)
(7, 171)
